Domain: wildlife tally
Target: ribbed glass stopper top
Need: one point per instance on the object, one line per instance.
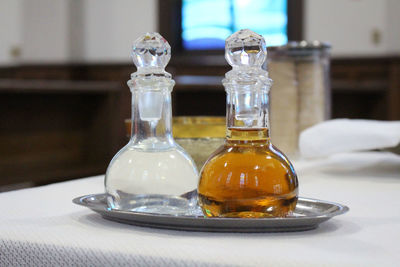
(245, 48)
(246, 52)
(151, 53)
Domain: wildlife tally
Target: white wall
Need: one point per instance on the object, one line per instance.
(103, 30)
(393, 26)
(112, 26)
(10, 30)
(57, 31)
(45, 31)
(349, 25)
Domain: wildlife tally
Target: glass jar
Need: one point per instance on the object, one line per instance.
(301, 94)
(199, 135)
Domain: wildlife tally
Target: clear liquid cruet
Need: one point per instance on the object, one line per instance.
(151, 173)
(247, 176)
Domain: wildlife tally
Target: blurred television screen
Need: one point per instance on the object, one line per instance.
(207, 23)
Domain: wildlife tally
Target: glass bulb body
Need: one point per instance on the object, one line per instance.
(248, 177)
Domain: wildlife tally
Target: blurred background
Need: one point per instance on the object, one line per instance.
(64, 66)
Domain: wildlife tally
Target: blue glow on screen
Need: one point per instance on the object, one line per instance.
(207, 23)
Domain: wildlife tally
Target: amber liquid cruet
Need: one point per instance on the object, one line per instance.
(247, 177)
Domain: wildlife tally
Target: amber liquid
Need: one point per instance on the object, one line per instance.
(248, 177)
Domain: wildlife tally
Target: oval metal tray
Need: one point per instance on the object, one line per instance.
(309, 213)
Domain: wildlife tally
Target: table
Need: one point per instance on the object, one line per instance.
(41, 226)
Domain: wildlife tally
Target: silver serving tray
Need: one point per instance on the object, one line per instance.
(309, 213)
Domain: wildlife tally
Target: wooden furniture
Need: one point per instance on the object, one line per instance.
(366, 88)
(61, 122)
(56, 130)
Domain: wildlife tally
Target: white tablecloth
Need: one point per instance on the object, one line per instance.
(41, 227)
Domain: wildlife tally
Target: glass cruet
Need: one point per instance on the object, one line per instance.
(151, 173)
(247, 176)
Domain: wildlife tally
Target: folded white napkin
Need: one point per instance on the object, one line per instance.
(344, 146)
(346, 135)
(376, 163)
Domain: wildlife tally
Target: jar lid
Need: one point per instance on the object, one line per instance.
(301, 45)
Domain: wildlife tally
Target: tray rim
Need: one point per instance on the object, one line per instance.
(218, 224)
(341, 210)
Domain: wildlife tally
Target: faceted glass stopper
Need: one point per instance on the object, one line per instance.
(245, 48)
(151, 50)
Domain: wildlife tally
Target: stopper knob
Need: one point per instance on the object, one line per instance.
(245, 48)
(151, 50)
